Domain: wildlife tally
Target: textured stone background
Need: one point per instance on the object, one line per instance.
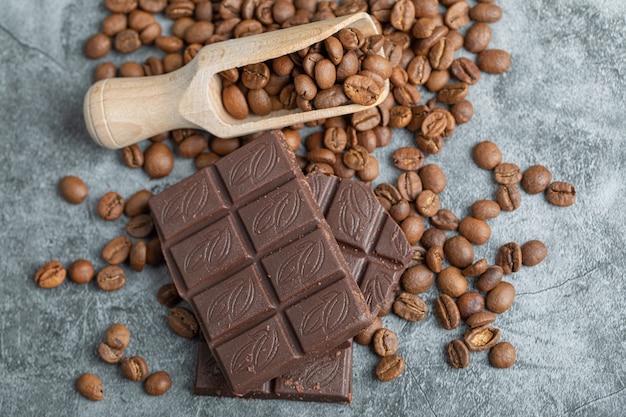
(561, 104)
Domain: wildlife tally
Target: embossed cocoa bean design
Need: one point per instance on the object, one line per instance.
(233, 303)
(255, 166)
(249, 358)
(327, 315)
(283, 210)
(375, 290)
(211, 252)
(353, 221)
(304, 263)
(186, 205)
(321, 374)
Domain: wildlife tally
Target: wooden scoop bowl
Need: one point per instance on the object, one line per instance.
(122, 111)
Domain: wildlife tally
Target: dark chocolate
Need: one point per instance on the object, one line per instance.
(249, 249)
(372, 243)
(325, 379)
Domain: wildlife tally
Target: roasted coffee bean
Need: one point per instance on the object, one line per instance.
(133, 156)
(321, 155)
(441, 55)
(400, 211)
(138, 255)
(388, 192)
(153, 6)
(335, 139)
(408, 158)
(413, 228)
(389, 368)
(127, 41)
(255, 76)
(507, 174)
(348, 66)
(104, 70)
(433, 237)
(434, 258)
(134, 368)
(462, 112)
(140, 226)
(138, 203)
(224, 146)
(183, 322)
(356, 158)
(533, 252)
(417, 279)
(90, 387)
(485, 209)
(131, 69)
(486, 13)
(561, 194)
(502, 355)
(457, 15)
(172, 62)
(493, 61)
(477, 37)
(451, 281)
(536, 179)
(433, 178)
(481, 338)
(109, 354)
(418, 70)
(509, 257)
(458, 354)
(453, 93)
(447, 312)
(365, 336)
(325, 74)
(50, 275)
(490, 278)
(205, 159)
(111, 278)
(409, 185)
(235, 102)
(408, 95)
(159, 160)
(331, 97)
(470, 303)
(399, 117)
(367, 139)
(114, 23)
(508, 197)
(97, 46)
(192, 146)
(487, 155)
(437, 80)
(410, 307)
(169, 44)
(81, 271)
(481, 318)
(459, 251)
(429, 145)
(168, 295)
(500, 298)
(116, 251)
(385, 342)
(117, 336)
(73, 189)
(365, 120)
(465, 71)
(341, 170)
(477, 268)
(476, 231)
(361, 90)
(111, 206)
(370, 172)
(159, 382)
(418, 255)
(427, 203)
(445, 220)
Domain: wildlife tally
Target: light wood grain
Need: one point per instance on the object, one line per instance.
(122, 111)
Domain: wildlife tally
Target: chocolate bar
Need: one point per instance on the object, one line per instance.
(371, 242)
(249, 249)
(325, 379)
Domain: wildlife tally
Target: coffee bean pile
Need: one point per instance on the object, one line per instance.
(421, 40)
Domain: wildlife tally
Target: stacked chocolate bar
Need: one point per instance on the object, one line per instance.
(280, 270)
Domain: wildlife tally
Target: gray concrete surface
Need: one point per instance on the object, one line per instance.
(561, 104)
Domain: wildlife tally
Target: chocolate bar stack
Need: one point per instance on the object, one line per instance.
(281, 271)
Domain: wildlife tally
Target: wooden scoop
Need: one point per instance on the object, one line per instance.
(122, 111)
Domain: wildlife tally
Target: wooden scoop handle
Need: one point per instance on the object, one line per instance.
(122, 111)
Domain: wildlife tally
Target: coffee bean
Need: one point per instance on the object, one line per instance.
(477, 37)
(81, 271)
(490, 278)
(470, 303)
(459, 252)
(192, 146)
(433, 178)
(388, 192)
(104, 70)
(487, 155)
(536, 179)
(408, 95)
(97, 46)
(485, 209)
(410, 307)
(561, 194)
(50, 275)
(111, 278)
(140, 226)
(235, 102)
(427, 203)
(493, 61)
(486, 13)
(418, 255)
(90, 387)
(507, 174)
(183, 322)
(465, 71)
(127, 41)
(385, 342)
(159, 382)
(451, 281)
(476, 231)
(331, 97)
(179, 9)
(458, 354)
(117, 336)
(370, 172)
(134, 368)
(109, 354)
(445, 220)
(138, 203)
(168, 295)
(533, 252)
(365, 120)
(413, 228)
(365, 336)
(453, 93)
(133, 156)
(409, 185)
(417, 279)
(509, 257)
(462, 111)
(153, 6)
(361, 90)
(457, 15)
(356, 158)
(481, 338)
(131, 69)
(73, 189)
(223, 147)
(446, 312)
(389, 368)
(138, 255)
(508, 197)
(117, 250)
(434, 258)
(111, 206)
(500, 298)
(159, 160)
(408, 158)
(477, 268)
(502, 355)
(114, 23)
(480, 319)
(433, 237)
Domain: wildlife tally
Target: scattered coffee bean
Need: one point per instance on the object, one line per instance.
(117, 250)
(81, 271)
(493, 61)
(111, 278)
(485, 209)
(140, 226)
(417, 279)
(117, 336)
(477, 268)
(475, 230)
(451, 281)
(385, 342)
(410, 307)
(50, 275)
(487, 155)
(490, 278)
(445, 220)
(97, 46)
(500, 298)
(446, 312)
(389, 368)
(434, 258)
(90, 387)
(507, 173)
(502, 355)
(458, 354)
(509, 257)
(109, 354)
(365, 336)
(73, 189)
(533, 252)
(536, 179)
(168, 295)
(158, 383)
(111, 206)
(183, 322)
(459, 251)
(481, 338)
(433, 178)
(413, 228)
(138, 255)
(134, 368)
(480, 319)
(470, 303)
(137, 204)
(158, 160)
(508, 197)
(561, 194)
